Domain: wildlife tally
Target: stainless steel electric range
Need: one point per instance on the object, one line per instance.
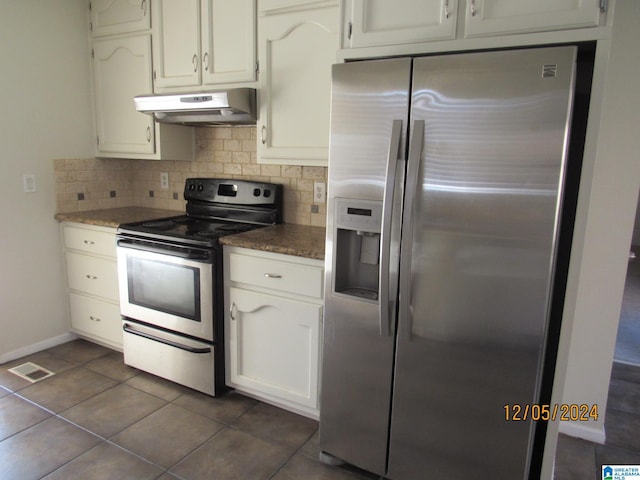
(170, 279)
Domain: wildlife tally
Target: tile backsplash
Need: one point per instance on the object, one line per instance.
(222, 152)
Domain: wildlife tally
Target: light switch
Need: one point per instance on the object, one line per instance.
(29, 182)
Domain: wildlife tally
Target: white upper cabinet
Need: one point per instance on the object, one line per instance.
(378, 23)
(122, 70)
(176, 47)
(381, 22)
(228, 41)
(297, 45)
(202, 42)
(492, 17)
(110, 17)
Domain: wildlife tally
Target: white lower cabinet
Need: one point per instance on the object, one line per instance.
(273, 333)
(92, 279)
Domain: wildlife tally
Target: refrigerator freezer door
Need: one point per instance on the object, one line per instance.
(477, 259)
(369, 100)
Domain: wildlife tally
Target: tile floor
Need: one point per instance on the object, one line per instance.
(97, 418)
(628, 339)
(582, 460)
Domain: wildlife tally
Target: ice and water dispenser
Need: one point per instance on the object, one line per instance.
(357, 244)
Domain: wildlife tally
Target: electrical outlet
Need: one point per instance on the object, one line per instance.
(29, 182)
(164, 181)
(319, 192)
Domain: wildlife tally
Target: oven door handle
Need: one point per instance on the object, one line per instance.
(148, 336)
(187, 253)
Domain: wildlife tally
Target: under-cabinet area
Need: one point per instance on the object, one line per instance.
(273, 325)
(270, 303)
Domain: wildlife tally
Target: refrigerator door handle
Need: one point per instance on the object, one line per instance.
(413, 169)
(387, 209)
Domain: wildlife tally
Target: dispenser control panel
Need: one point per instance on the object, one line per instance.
(364, 215)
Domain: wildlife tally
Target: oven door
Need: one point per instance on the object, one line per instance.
(168, 286)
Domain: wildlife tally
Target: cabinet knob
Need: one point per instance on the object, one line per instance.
(91, 277)
(89, 242)
(95, 319)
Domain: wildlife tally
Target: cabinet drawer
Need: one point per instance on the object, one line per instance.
(95, 317)
(93, 275)
(276, 274)
(90, 241)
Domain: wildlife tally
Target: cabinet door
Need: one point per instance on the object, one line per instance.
(228, 41)
(490, 17)
(380, 22)
(296, 51)
(176, 48)
(122, 70)
(273, 344)
(119, 16)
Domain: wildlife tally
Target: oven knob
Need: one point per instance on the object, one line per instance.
(192, 186)
(267, 193)
(200, 187)
(256, 192)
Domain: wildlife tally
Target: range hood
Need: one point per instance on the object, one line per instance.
(229, 107)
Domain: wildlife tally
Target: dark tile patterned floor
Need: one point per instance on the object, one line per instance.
(628, 339)
(99, 419)
(582, 460)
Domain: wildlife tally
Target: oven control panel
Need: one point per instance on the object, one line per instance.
(238, 192)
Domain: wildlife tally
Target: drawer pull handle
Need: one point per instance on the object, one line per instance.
(232, 311)
(89, 242)
(95, 319)
(91, 277)
(272, 275)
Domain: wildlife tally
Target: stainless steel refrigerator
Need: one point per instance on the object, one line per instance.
(446, 179)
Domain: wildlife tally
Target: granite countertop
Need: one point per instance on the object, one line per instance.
(290, 239)
(114, 217)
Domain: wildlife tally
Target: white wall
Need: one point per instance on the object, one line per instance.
(604, 225)
(45, 113)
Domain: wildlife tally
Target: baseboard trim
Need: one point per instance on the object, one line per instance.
(36, 347)
(593, 434)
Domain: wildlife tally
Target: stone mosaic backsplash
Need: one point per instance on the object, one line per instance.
(222, 152)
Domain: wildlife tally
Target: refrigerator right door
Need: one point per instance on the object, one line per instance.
(482, 202)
